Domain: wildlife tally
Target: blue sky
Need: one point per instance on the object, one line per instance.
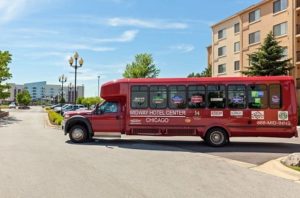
(42, 34)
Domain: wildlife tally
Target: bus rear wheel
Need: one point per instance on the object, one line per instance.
(78, 134)
(216, 137)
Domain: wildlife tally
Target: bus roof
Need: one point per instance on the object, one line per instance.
(204, 79)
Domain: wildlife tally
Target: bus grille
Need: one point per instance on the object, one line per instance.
(181, 132)
(145, 131)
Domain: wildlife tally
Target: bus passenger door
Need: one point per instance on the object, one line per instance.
(108, 119)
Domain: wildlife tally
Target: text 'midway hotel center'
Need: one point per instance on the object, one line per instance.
(241, 34)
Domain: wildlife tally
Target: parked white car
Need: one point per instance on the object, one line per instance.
(12, 105)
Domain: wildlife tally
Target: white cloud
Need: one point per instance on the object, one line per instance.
(183, 48)
(9, 9)
(153, 24)
(127, 36)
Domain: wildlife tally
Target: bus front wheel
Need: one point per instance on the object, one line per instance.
(78, 134)
(216, 137)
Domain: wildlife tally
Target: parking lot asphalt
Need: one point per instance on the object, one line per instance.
(39, 161)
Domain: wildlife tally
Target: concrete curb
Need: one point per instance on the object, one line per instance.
(49, 124)
(276, 168)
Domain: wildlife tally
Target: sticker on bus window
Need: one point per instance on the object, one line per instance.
(238, 100)
(216, 99)
(257, 100)
(257, 115)
(139, 100)
(257, 94)
(196, 99)
(283, 115)
(177, 100)
(157, 100)
(275, 99)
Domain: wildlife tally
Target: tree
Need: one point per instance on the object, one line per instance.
(142, 67)
(79, 100)
(5, 59)
(62, 101)
(269, 60)
(24, 98)
(205, 73)
(91, 101)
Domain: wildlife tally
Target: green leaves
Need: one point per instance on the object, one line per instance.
(5, 59)
(142, 67)
(268, 60)
(24, 98)
(205, 73)
(89, 101)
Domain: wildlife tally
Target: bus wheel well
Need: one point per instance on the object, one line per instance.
(78, 122)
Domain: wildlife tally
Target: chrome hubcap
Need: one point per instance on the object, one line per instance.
(77, 134)
(217, 137)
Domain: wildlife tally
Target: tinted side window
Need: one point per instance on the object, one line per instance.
(196, 96)
(258, 97)
(275, 96)
(237, 96)
(139, 97)
(158, 97)
(216, 96)
(177, 97)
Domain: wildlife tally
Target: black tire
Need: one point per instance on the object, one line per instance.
(216, 137)
(78, 134)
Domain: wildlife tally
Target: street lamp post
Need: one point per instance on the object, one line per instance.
(76, 66)
(98, 86)
(70, 93)
(62, 79)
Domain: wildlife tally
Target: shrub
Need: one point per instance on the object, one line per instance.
(55, 118)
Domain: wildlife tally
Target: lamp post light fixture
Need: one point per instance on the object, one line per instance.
(76, 66)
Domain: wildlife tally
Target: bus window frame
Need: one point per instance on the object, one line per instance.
(281, 98)
(267, 90)
(246, 96)
(205, 95)
(168, 99)
(225, 95)
(166, 86)
(148, 97)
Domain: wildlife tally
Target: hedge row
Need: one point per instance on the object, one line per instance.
(55, 118)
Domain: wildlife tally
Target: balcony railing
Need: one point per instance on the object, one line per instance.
(297, 29)
(298, 56)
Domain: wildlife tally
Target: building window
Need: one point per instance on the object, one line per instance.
(221, 34)
(237, 96)
(285, 54)
(280, 29)
(222, 68)
(236, 65)
(196, 96)
(275, 96)
(254, 16)
(158, 97)
(177, 97)
(216, 96)
(254, 37)
(237, 47)
(237, 28)
(222, 51)
(139, 97)
(279, 5)
(258, 97)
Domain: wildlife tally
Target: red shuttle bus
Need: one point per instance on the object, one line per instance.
(214, 109)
